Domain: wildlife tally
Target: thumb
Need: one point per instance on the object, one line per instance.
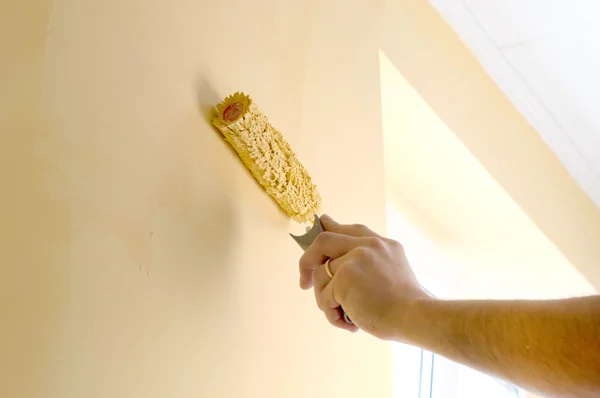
(328, 223)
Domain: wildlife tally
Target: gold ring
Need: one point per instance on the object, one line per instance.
(328, 269)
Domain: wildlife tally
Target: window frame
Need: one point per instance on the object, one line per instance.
(427, 359)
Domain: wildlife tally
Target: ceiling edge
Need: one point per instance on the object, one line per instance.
(512, 85)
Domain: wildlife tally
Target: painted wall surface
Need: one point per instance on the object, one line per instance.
(492, 247)
(138, 257)
(441, 68)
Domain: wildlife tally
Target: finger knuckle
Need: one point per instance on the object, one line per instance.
(323, 238)
(342, 269)
(360, 227)
(338, 228)
(304, 263)
(363, 254)
(318, 300)
(320, 278)
(394, 244)
(331, 316)
(376, 243)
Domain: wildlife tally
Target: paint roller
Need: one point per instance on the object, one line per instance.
(268, 156)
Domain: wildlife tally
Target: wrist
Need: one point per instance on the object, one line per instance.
(417, 320)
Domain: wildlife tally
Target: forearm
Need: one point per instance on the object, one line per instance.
(549, 347)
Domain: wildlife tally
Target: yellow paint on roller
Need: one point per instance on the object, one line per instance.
(268, 156)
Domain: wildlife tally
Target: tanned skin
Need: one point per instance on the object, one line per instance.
(550, 347)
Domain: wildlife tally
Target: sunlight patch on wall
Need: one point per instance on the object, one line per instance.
(439, 186)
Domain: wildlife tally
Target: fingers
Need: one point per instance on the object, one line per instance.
(327, 245)
(328, 223)
(328, 304)
(333, 243)
(332, 308)
(336, 318)
(320, 277)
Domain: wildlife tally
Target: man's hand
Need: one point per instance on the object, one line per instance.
(372, 281)
(551, 347)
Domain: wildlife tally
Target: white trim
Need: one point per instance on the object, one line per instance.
(515, 87)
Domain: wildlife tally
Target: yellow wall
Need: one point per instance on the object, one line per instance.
(431, 57)
(138, 257)
(437, 183)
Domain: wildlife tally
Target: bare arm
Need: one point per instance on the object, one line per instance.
(547, 347)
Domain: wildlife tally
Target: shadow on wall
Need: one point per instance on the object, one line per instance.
(197, 224)
(217, 156)
(209, 149)
(196, 217)
(35, 227)
(207, 98)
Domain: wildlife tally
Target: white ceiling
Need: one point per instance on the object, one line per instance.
(545, 55)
